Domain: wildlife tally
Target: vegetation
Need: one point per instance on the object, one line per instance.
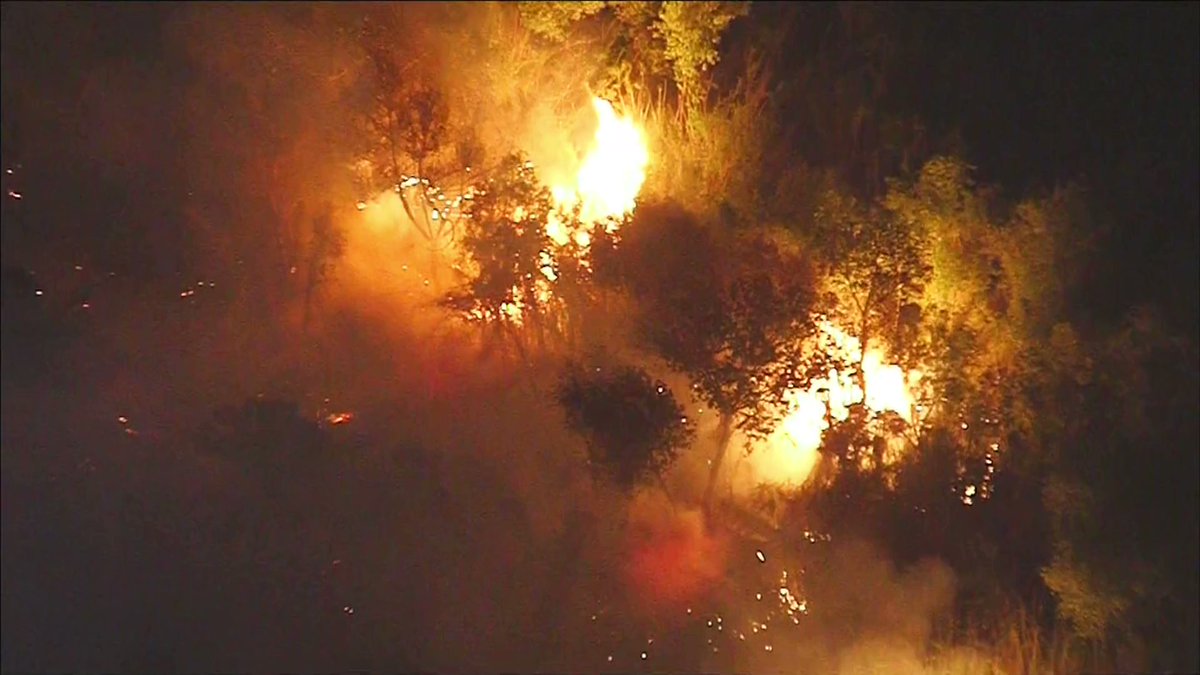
(633, 425)
(802, 177)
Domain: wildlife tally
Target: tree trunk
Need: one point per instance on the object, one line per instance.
(864, 338)
(862, 359)
(724, 433)
(662, 485)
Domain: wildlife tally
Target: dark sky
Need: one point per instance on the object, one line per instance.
(1045, 93)
(1105, 92)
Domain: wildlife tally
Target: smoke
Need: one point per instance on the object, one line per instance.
(459, 529)
(673, 560)
(857, 613)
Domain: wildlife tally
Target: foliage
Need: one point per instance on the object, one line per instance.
(1126, 452)
(551, 19)
(840, 67)
(729, 310)
(506, 248)
(683, 34)
(633, 426)
(408, 132)
(1042, 253)
(692, 31)
(876, 269)
(715, 162)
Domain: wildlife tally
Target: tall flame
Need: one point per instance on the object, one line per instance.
(610, 176)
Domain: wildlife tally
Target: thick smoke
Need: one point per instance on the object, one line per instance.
(458, 528)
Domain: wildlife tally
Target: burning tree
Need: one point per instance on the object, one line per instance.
(877, 270)
(633, 425)
(731, 311)
(411, 151)
(507, 251)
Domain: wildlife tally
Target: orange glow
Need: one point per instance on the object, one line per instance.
(790, 454)
(673, 560)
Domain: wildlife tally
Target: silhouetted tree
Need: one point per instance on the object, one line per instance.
(506, 251)
(633, 426)
(730, 311)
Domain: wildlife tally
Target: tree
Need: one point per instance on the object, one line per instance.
(683, 34)
(1121, 490)
(409, 146)
(876, 267)
(633, 426)
(731, 311)
(506, 251)
(691, 32)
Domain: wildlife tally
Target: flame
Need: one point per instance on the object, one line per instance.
(609, 178)
(605, 186)
(790, 454)
(335, 419)
(615, 168)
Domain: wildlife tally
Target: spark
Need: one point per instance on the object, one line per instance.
(762, 557)
(14, 194)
